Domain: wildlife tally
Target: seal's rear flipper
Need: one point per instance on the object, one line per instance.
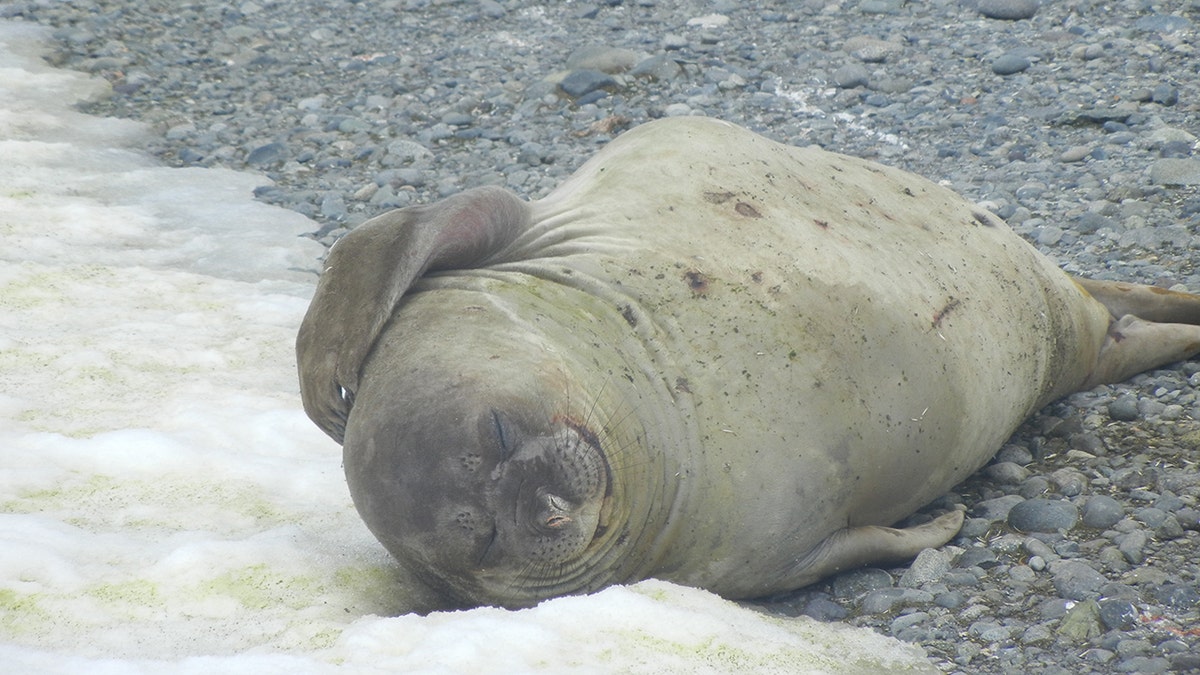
(1151, 327)
(854, 547)
(371, 268)
(1146, 302)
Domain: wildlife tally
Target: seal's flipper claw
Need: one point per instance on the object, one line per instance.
(371, 268)
(854, 547)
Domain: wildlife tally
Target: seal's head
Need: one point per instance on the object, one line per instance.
(492, 479)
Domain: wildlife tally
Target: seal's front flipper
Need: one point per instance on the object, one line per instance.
(370, 269)
(1151, 327)
(855, 547)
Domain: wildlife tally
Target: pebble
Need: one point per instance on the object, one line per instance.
(1124, 408)
(603, 58)
(1076, 580)
(930, 565)
(1101, 512)
(1008, 9)
(1043, 515)
(1010, 64)
(851, 75)
(1175, 171)
(1089, 151)
(581, 82)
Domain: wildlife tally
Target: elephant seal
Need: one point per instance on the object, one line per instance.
(706, 357)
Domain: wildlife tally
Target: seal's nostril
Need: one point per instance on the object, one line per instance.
(557, 520)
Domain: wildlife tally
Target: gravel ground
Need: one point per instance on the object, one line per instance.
(1076, 120)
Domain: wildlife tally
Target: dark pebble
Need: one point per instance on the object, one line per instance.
(265, 155)
(851, 76)
(995, 509)
(1101, 512)
(1124, 409)
(824, 609)
(1165, 94)
(1185, 662)
(855, 583)
(1183, 597)
(1076, 580)
(1043, 515)
(580, 82)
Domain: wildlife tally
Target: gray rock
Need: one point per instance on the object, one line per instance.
(492, 9)
(1101, 512)
(1043, 515)
(1076, 580)
(1131, 546)
(268, 154)
(1081, 622)
(1165, 94)
(1007, 473)
(577, 83)
(996, 509)
(851, 75)
(1163, 23)
(1011, 10)
(930, 565)
(824, 609)
(1010, 64)
(1174, 171)
(1124, 409)
(1117, 613)
(603, 58)
(660, 67)
(881, 601)
(881, 6)
(1182, 597)
(855, 583)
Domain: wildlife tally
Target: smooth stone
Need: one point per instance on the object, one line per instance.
(602, 58)
(1101, 512)
(855, 583)
(1163, 23)
(824, 609)
(580, 82)
(1010, 10)
(1117, 614)
(1075, 154)
(267, 154)
(1006, 473)
(1075, 580)
(1124, 408)
(1010, 64)
(1132, 546)
(1173, 171)
(996, 509)
(1081, 622)
(1043, 515)
(660, 67)
(1165, 94)
(930, 565)
(851, 75)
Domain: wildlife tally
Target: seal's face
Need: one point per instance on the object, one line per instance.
(494, 509)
